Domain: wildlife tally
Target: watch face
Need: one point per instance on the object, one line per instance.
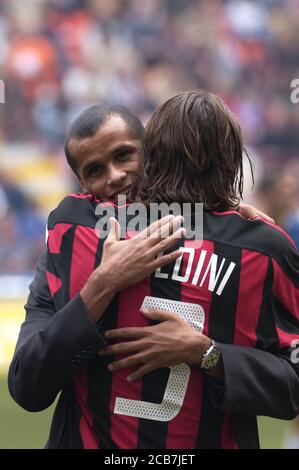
(211, 357)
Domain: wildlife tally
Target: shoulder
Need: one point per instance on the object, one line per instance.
(254, 234)
(76, 209)
(274, 239)
(279, 246)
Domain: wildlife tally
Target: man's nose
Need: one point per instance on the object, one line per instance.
(115, 175)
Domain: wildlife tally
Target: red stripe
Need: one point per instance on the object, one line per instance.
(252, 277)
(228, 440)
(55, 237)
(194, 293)
(111, 203)
(124, 429)
(81, 196)
(89, 438)
(83, 258)
(54, 283)
(85, 196)
(285, 291)
(230, 213)
(285, 339)
(183, 429)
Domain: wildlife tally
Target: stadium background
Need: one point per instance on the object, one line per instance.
(59, 56)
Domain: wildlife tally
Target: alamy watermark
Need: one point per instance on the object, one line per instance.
(136, 217)
(295, 352)
(2, 92)
(294, 97)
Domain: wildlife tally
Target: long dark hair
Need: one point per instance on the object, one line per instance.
(192, 152)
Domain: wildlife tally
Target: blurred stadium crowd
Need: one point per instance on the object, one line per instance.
(59, 56)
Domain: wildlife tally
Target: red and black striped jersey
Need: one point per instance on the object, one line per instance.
(239, 286)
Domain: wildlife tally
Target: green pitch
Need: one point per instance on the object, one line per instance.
(20, 429)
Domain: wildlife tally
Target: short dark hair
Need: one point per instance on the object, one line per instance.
(94, 117)
(192, 152)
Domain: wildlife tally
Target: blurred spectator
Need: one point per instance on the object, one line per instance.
(63, 55)
(21, 230)
(292, 226)
(3, 204)
(17, 201)
(60, 56)
(274, 194)
(278, 196)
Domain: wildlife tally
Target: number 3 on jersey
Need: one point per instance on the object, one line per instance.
(178, 379)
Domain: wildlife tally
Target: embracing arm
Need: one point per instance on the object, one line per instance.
(252, 382)
(257, 383)
(50, 345)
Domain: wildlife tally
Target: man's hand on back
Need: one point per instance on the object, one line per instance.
(170, 342)
(250, 212)
(127, 262)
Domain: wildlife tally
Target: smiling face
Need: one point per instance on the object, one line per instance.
(107, 162)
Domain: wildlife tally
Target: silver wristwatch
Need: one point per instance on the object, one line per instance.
(211, 357)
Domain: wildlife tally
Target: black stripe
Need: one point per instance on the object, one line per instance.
(73, 210)
(60, 264)
(67, 436)
(246, 431)
(211, 421)
(74, 438)
(99, 377)
(100, 385)
(224, 306)
(99, 253)
(221, 328)
(266, 330)
(66, 260)
(153, 434)
(285, 319)
(290, 265)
